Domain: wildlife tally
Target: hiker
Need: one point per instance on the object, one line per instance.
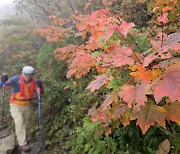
(23, 87)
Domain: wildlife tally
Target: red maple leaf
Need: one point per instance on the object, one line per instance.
(121, 56)
(163, 18)
(100, 81)
(125, 27)
(169, 85)
(131, 94)
(110, 31)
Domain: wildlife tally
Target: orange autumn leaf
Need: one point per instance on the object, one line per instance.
(142, 74)
(141, 1)
(148, 116)
(108, 131)
(167, 8)
(173, 111)
(154, 73)
(81, 64)
(100, 69)
(87, 5)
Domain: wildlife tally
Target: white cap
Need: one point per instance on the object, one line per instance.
(28, 70)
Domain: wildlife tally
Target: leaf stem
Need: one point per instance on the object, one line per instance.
(162, 34)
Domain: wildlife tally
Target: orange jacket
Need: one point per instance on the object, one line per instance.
(16, 97)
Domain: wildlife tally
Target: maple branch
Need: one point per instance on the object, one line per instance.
(152, 32)
(71, 6)
(129, 46)
(136, 44)
(128, 42)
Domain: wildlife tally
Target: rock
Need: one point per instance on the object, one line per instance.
(7, 144)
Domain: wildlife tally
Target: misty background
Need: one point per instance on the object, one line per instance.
(7, 10)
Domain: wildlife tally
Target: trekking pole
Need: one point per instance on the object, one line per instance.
(39, 118)
(2, 112)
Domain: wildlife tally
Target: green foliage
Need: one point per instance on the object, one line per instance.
(90, 140)
(174, 137)
(141, 40)
(122, 76)
(18, 45)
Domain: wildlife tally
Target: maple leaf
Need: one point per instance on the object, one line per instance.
(168, 62)
(125, 27)
(108, 131)
(121, 56)
(167, 8)
(65, 53)
(110, 31)
(87, 5)
(56, 31)
(173, 110)
(166, 51)
(148, 115)
(113, 97)
(82, 64)
(107, 57)
(108, 2)
(100, 69)
(141, 1)
(98, 82)
(136, 94)
(93, 15)
(70, 73)
(97, 116)
(125, 119)
(172, 39)
(169, 85)
(163, 18)
(155, 56)
(142, 74)
(119, 110)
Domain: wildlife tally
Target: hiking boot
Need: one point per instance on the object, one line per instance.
(25, 147)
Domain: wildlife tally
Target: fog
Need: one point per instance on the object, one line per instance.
(4, 2)
(6, 8)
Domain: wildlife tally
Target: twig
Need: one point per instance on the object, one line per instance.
(162, 34)
(136, 44)
(128, 42)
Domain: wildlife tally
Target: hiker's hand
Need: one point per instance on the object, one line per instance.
(4, 78)
(39, 83)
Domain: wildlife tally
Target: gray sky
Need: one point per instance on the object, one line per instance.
(2, 2)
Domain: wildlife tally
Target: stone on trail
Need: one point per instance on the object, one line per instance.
(7, 144)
